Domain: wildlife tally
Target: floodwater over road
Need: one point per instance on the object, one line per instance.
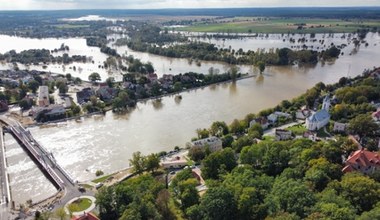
(107, 142)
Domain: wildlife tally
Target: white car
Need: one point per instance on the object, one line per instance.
(98, 185)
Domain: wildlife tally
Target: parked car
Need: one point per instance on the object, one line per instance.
(81, 189)
(98, 185)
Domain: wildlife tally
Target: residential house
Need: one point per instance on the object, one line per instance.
(43, 96)
(262, 121)
(310, 135)
(282, 135)
(303, 114)
(339, 127)
(152, 77)
(55, 111)
(84, 95)
(174, 164)
(52, 112)
(106, 93)
(272, 118)
(213, 143)
(363, 161)
(167, 77)
(320, 118)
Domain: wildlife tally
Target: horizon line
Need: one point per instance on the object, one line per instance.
(204, 8)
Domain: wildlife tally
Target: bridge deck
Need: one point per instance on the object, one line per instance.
(46, 161)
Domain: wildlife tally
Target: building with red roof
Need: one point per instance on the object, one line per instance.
(363, 161)
(86, 216)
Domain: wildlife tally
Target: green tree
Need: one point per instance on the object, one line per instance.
(110, 82)
(194, 213)
(162, 201)
(217, 163)
(137, 162)
(188, 193)
(291, 196)
(241, 142)
(362, 191)
(237, 127)
(372, 214)
(77, 81)
(202, 133)
(321, 172)
(69, 77)
(219, 128)
(310, 97)
(105, 203)
(218, 203)
(363, 125)
(332, 206)
(33, 85)
(152, 162)
(261, 66)
(61, 213)
(25, 104)
(62, 87)
(196, 154)
(227, 140)
(94, 77)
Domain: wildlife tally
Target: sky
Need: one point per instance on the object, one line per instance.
(156, 4)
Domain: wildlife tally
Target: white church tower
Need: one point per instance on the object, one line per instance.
(320, 118)
(326, 103)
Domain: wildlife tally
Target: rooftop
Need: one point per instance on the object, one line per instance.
(362, 158)
(319, 116)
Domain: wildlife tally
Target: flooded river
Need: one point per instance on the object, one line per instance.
(107, 143)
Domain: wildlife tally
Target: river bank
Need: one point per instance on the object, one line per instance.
(29, 122)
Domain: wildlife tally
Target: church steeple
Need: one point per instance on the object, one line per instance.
(326, 103)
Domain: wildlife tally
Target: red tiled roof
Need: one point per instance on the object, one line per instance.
(86, 216)
(362, 158)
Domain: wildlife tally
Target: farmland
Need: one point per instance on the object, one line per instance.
(281, 25)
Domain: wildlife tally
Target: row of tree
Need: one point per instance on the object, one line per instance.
(36, 56)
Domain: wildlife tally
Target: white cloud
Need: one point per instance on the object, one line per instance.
(147, 4)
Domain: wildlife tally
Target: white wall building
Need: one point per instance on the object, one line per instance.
(320, 118)
(43, 96)
(339, 127)
(282, 135)
(213, 143)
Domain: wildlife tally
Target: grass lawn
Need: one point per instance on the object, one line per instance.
(101, 179)
(86, 186)
(276, 25)
(268, 138)
(297, 129)
(80, 205)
